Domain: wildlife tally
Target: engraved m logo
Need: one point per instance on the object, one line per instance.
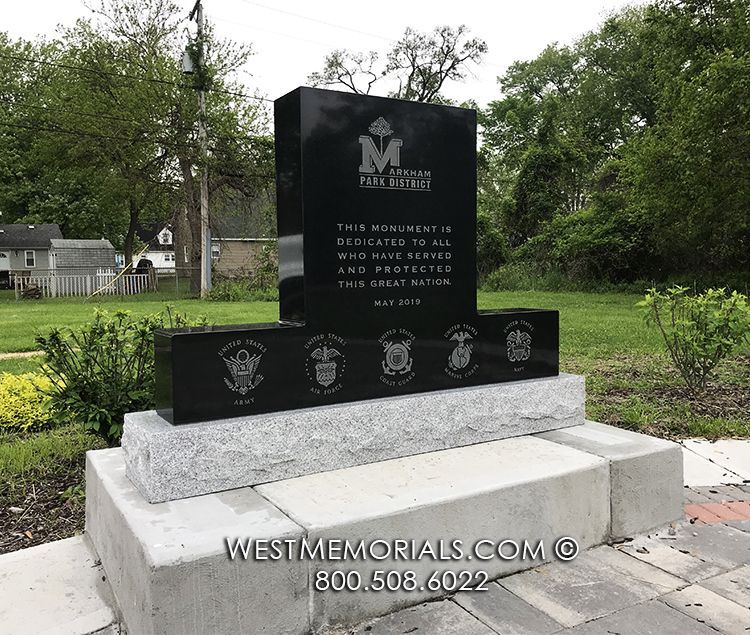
(372, 158)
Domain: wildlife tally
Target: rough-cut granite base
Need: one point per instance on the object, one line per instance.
(167, 462)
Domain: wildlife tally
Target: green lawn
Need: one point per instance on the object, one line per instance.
(630, 383)
(630, 380)
(590, 325)
(19, 321)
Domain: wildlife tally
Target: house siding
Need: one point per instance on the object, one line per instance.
(237, 256)
(18, 258)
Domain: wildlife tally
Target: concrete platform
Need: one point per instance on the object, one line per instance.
(168, 566)
(645, 492)
(167, 462)
(171, 569)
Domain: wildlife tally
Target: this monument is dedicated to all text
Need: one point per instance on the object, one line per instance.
(377, 273)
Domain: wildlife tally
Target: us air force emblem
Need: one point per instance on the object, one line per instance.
(325, 363)
(460, 361)
(519, 346)
(398, 361)
(325, 369)
(243, 368)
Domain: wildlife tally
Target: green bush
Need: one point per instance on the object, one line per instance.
(22, 404)
(104, 369)
(699, 330)
(241, 290)
(492, 248)
(259, 285)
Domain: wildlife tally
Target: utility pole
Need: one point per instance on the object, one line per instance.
(197, 13)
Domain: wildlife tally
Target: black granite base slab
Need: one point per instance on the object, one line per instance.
(228, 371)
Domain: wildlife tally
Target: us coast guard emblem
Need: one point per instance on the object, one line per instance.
(242, 365)
(325, 363)
(398, 361)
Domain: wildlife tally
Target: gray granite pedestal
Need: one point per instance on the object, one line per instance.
(167, 462)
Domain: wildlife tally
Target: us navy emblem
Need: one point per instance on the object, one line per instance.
(460, 363)
(519, 346)
(243, 367)
(398, 361)
(326, 363)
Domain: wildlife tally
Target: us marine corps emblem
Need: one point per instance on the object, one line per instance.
(519, 346)
(461, 361)
(461, 355)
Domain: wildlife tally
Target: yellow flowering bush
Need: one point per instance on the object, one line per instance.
(21, 403)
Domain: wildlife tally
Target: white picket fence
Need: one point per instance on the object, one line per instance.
(54, 284)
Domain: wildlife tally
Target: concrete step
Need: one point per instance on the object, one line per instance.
(58, 588)
(171, 570)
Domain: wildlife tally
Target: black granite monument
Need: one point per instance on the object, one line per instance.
(377, 273)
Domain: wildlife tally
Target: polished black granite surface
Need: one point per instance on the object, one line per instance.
(377, 272)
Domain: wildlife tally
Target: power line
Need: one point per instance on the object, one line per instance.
(257, 28)
(94, 115)
(115, 137)
(124, 76)
(303, 17)
(80, 133)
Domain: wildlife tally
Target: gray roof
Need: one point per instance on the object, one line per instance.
(71, 243)
(18, 236)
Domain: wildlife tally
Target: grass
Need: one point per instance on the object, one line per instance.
(20, 321)
(26, 453)
(602, 336)
(590, 325)
(630, 383)
(20, 365)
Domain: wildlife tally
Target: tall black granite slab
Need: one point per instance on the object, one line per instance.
(377, 273)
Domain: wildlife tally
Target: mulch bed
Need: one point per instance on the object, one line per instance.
(726, 401)
(34, 511)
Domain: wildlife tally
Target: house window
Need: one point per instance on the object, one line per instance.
(215, 250)
(168, 257)
(30, 259)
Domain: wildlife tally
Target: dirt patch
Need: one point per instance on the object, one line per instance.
(719, 401)
(27, 354)
(36, 509)
(646, 394)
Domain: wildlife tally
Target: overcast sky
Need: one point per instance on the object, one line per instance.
(291, 38)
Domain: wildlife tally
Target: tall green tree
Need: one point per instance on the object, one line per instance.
(110, 135)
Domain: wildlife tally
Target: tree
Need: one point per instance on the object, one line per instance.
(350, 70)
(421, 63)
(110, 127)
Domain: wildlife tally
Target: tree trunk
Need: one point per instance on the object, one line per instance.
(130, 236)
(192, 208)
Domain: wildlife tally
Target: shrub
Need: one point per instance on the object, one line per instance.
(700, 330)
(241, 290)
(104, 369)
(22, 404)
